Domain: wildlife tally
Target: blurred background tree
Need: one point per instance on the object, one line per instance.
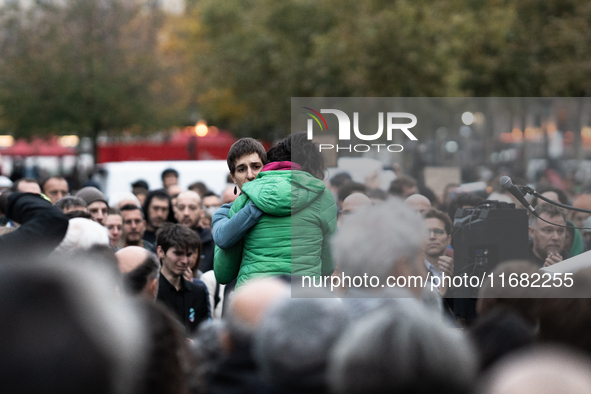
(253, 56)
(87, 66)
(83, 67)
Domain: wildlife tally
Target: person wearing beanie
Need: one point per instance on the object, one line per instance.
(96, 202)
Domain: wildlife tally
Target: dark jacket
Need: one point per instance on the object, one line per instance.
(190, 304)
(42, 228)
(237, 374)
(539, 262)
(207, 248)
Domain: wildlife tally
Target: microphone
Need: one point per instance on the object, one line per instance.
(506, 183)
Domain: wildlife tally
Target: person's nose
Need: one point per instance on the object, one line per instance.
(250, 174)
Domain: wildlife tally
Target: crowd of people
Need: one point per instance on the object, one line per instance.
(168, 290)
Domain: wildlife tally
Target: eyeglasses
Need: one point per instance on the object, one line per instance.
(436, 231)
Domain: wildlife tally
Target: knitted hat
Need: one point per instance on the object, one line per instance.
(91, 194)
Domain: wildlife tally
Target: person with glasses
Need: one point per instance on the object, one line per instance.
(437, 256)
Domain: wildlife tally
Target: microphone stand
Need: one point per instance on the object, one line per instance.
(529, 190)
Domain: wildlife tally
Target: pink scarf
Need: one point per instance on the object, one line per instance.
(281, 165)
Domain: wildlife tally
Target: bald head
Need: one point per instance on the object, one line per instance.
(251, 301)
(541, 372)
(228, 195)
(130, 258)
(140, 269)
(353, 202)
(418, 202)
(190, 195)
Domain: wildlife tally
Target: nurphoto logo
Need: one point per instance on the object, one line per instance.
(392, 124)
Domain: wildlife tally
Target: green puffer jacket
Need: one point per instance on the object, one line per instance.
(292, 237)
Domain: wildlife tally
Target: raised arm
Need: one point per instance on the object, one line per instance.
(42, 226)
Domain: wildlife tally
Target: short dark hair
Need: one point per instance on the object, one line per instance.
(348, 188)
(461, 200)
(136, 279)
(176, 236)
(402, 181)
(44, 181)
(139, 191)
(562, 198)
(115, 211)
(198, 187)
(242, 147)
(70, 202)
(340, 178)
(17, 182)
(549, 209)
(209, 193)
(140, 184)
(78, 213)
(377, 194)
(131, 207)
(169, 171)
(437, 214)
(299, 149)
(161, 194)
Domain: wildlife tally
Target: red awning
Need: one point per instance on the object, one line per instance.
(20, 148)
(38, 147)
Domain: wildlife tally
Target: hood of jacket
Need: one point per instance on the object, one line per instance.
(282, 193)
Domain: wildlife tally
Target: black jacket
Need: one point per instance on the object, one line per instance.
(538, 261)
(207, 249)
(237, 374)
(190, 304)
(42, 228)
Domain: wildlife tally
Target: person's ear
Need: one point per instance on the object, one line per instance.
(160, 252)
(152, 287)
